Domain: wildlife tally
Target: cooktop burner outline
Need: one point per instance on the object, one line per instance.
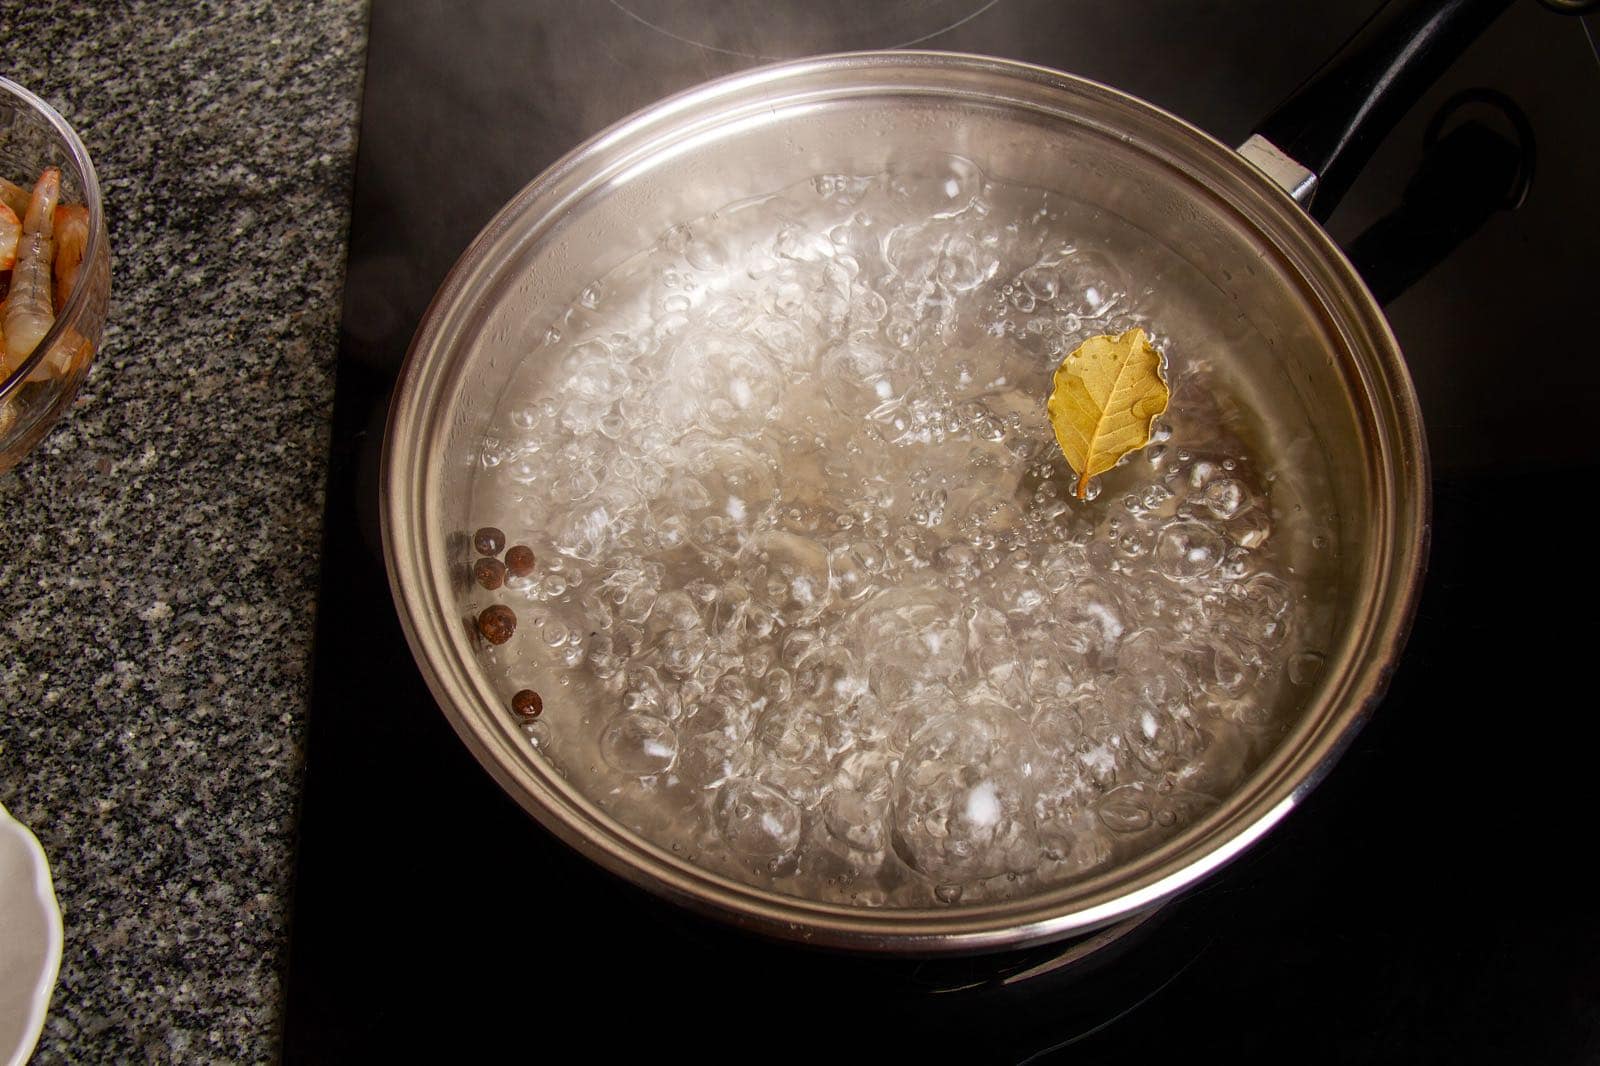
(629, 11)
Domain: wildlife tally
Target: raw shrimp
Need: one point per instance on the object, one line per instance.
(28, 315)
(14, 196)
(72, 233)
(10, 230)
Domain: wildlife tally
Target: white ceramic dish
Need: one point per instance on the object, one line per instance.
(30, 940)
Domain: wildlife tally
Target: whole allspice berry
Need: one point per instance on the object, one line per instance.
(490, 573)
(497, 623)
(488, 541)
(519, 560)
(527, 703)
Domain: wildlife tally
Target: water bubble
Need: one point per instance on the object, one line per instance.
(857, 820)
(1226, 497)
(1251, 528)
(644, 690)
(1090, 285)
(827, 184)
(785, 341)
(827, 680)
(796, 574)
(797, 242)
(1264, 602)
(867, 307)
(858, 377)
(709, 759)
(635, 601)
(1059, 812)
(1058, 725)
(639, 744)
(726, 379)
(537, 732)
(706, 254)
(935, 186)
(585, 532)
(1136, 542)
(1021, 595)
(1092, 621)
(852, 570)
(603, 657)
(1125, 810)
(755, 820)
(963, 798)
(793, 732)
(1220, 667)
(593, 384)
(674, 610)
(994, 651)
(778, 684)
(798, 782)
(1203, 472)
(1188, 550)
(962, 264)
(914, 632)
(1160, 740)
(682, 651)
(789, 300)
(1040, 282)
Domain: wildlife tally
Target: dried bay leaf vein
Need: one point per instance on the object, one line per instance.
(1106, 395)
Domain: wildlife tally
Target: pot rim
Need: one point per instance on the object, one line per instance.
(1353, 682)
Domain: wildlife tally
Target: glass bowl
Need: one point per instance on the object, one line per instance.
(35, 391)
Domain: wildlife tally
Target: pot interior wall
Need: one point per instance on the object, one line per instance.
(1298, 365)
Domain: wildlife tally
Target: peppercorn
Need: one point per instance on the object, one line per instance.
(519, 560)
(488, 541)
(497, 623)
(490, 573)
(527, 703)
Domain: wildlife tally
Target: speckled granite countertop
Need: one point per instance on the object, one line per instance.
(159, 550)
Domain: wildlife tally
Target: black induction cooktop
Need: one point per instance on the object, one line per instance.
(1424, 905)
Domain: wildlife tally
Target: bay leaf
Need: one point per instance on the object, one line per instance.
(1106, 395)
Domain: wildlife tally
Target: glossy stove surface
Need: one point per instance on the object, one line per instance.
(1424, 905)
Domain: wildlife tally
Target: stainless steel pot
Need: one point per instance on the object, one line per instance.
(1233, 217)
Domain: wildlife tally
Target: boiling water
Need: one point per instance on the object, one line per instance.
(815, 606)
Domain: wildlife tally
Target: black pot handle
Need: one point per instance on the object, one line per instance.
(1320, 137)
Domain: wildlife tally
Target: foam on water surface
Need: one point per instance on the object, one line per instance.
(814, 604)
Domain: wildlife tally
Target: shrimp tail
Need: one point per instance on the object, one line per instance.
(42, 204)
(72, 235)
(14, 196)
(29, 314)
(10, 231)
